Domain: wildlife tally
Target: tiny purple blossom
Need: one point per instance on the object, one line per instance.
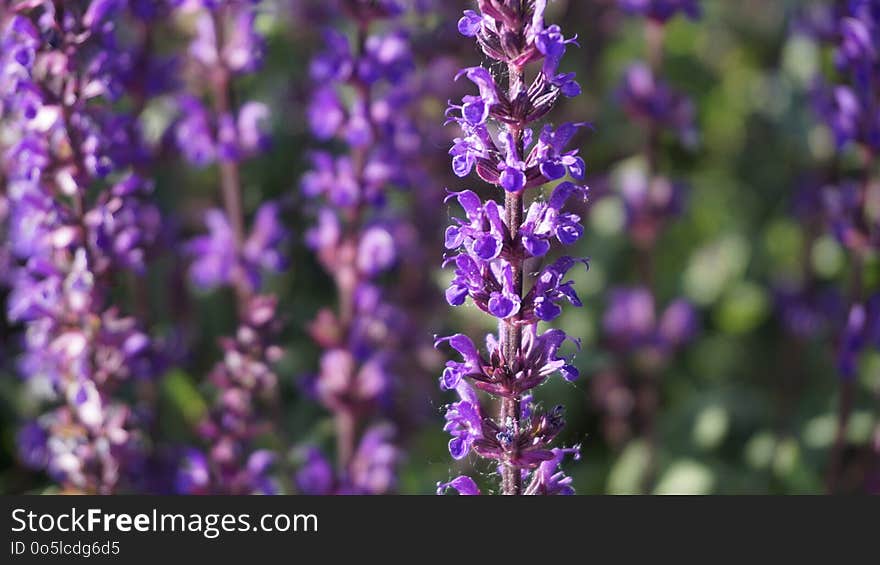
(464, 485)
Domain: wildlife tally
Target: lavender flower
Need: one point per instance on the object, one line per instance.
(847, 103)
(362, 101)
(489, 247)
(644, 339)
(370, 471)
(218, 261)
(226, 45)
(647, 98)
(61, 73)
(632, 324)
(808, 312)
(848, 106)
(847, 215)
(862, 331)
(244, 380)
(650, 204)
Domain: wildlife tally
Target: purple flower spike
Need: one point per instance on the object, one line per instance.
(236, 252)
(363, 100)
(489, 254)
(849, 106)
(846, 100)
(76, 221)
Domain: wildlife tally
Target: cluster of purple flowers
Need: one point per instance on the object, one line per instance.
(632, 324)
(361, 100)
(244, 381)
(490, 246)
(226, 45)
(650, 203)
(650, 100)
(808, 310)
(218, 259)
(651, 200)
(842, 203)
(643, 339)
(79, 217)
(848, 106)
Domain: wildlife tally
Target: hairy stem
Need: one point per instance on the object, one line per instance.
(511, 331)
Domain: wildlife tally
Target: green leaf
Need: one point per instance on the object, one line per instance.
(181, 393)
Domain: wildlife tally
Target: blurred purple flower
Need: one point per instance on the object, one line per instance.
(372, 470)
(646, 97)
(216, 262)
(69, 229)
(631, 322)
(661, 10)
(862, 330)
(848, 104)
(361, 99)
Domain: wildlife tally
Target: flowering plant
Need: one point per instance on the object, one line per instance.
(489, 248)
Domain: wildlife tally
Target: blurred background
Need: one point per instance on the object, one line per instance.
(713, 310)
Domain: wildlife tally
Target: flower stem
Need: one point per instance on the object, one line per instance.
(846, 389)
(648, 393)
(511, 332)
(230, 177)
(844, 409)
(346, 431)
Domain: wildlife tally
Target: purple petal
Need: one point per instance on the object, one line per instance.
(463, 484)
(470, 23)
(512, 180)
